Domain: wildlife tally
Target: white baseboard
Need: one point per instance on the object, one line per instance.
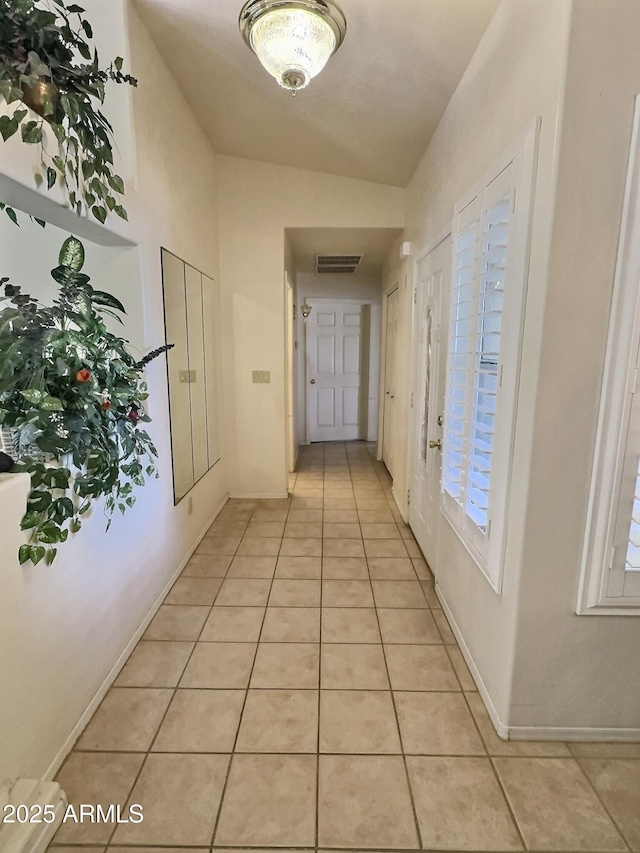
(401, 509)
(124, 656)
(31, 836)
(540, 733)
(501, 728)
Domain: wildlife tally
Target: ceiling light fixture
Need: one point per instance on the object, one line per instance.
(293, 39)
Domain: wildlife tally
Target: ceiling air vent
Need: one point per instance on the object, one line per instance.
(337, 263)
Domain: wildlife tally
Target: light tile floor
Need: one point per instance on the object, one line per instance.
(300, 688)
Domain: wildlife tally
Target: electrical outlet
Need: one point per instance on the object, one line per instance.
(261, 377)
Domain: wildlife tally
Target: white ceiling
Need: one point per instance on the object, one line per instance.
(373, 243)
(370, 114)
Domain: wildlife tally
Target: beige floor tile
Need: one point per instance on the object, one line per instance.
(176, 622)
(358, 721)
(220, 665)
(180, 795)
(428, 588)
(279, 721)
(305, 516)
(344, 568)
(194, 591)
(392, 569)
(228, 527)
(303, 530)
(201, 721)
(340, 516)
(372, 505)
(345, 593)
(306, 503)
(155, 664)
(343, 548)
(420, 668)
(617, 782)
(437, 724)
(270, 801)
(341, 531)
(252, 567)
(597, 749)
(364, 801)
(462, 670)
(301, 568)
(265, 529)
(236, 592)
(127, 720)
(233, 625)
(259, 546)
(460, 805)
(347, 666)
(291, 625)
(346, 625)
(380, 530)
(385, 548)
(271, 515)
(273, 503)
(554, 805)
(293, 666)
(339, 503)
(301, 548)
(295, 593)
(413, 549)
(497, 746)
(443, 626)
(399, 594)
(408, 626)
(422, 569)
(93, 849)
(204, 566)
(375, 516)
(97, 778)
(218, 546)
(152, 850)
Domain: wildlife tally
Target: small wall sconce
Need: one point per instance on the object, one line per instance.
(305, 309)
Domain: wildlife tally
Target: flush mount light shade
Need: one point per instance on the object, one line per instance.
(293, 39)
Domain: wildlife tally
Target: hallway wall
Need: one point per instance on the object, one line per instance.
(257, 201)
(516, 74)
(64, 628)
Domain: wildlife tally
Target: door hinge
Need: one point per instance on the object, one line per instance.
(501, 372)
(411, 403)
(515, 194)
(415, 295)
(635, 381)
(408, 495)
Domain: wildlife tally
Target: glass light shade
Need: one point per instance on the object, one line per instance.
(293, 45)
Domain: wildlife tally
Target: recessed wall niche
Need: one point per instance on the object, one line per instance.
(190, 316)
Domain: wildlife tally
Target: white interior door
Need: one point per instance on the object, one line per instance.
(432, 278)
(333, 370)
(389, 420)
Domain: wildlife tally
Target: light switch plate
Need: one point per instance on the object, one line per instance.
(261, 377)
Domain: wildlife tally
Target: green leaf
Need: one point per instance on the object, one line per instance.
(72, 254)
(52, 404)
(121, 212)
(31, 132)
(70, 107)
(52, 177)
(33, 395)
(99, 297)
(12, 215)
(84, 51)
(86, 26)
(40, 222)
(29, 520)
(50, 556)
(8, 126)
(118, 62)
(24, 553)
(61, 135)
(100, 213)
(37, 552)
(116, 183)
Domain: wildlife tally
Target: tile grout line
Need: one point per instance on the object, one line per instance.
(603, 804)
(317, 810)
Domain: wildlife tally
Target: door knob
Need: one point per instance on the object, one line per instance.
(437, 443)
(312, 382)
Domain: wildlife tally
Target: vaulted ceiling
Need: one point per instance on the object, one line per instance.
(369, 115)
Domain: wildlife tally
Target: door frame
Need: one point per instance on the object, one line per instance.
(373, 377)
(290, 374)
(383, 358)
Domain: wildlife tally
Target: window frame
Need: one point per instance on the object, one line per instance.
(516, 169)
(598, 573)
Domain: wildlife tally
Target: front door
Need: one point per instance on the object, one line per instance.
(432, 277)
(333, 370)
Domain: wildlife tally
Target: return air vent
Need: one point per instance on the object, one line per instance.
(337, 263)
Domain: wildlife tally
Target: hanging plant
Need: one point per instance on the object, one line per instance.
(71, 392)
(42, 47)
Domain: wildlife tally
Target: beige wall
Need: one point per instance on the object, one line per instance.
(578, 670)
(516, 75)
(257, 201)
(64, 628)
